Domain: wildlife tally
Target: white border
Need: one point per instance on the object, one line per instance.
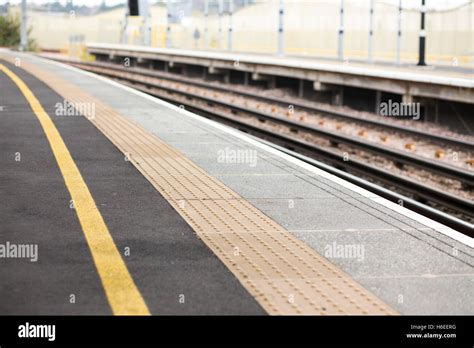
(447, 231)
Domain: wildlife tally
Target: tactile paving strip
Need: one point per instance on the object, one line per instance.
(281, 272)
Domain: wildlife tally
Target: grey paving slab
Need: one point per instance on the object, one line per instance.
(200, 139)
(316, 214)
(426, 295)
(218, 165)
(363, 253)
(276, 186)
(390, 216)
(453, 246)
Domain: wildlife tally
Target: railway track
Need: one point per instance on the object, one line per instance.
(445, 140)
(235, 117)
(400, 157)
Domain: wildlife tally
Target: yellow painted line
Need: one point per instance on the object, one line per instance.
(120, 289)
(281, 272)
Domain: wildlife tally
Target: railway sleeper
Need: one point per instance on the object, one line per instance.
(293, 130)
(399, 165)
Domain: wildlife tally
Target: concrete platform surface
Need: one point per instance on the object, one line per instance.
(413, 264)
(460, 77)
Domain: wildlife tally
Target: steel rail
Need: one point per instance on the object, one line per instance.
(400, 157)
(421, 192)
(441, 139)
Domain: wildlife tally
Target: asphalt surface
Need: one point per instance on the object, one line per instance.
(174, 270)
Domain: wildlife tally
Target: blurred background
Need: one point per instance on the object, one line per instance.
(311, 26)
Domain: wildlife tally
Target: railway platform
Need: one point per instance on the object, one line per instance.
(410, 81)
(146, 208)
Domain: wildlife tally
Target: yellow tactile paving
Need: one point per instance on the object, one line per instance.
(281, 272)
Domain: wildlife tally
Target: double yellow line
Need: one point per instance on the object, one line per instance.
(120, 289)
